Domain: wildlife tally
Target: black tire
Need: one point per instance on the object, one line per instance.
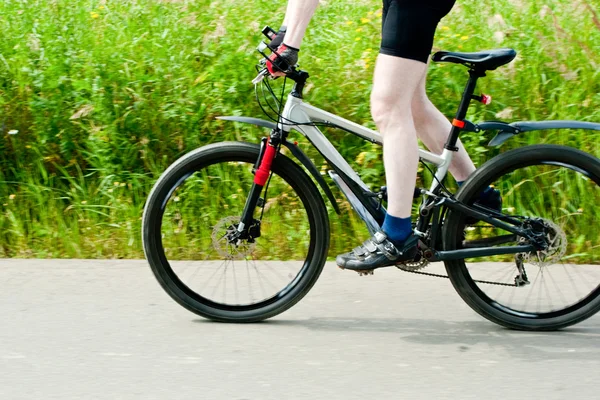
(239, 152)
(455, 229)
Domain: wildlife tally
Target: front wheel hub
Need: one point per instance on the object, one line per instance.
(228, 242)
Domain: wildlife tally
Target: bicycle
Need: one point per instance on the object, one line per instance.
(211, 208)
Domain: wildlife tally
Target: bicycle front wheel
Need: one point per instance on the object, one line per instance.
(198, 202)
(558, 187)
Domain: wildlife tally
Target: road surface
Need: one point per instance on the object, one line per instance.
(84, 329)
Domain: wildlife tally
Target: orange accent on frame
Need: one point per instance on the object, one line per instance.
(458, 123)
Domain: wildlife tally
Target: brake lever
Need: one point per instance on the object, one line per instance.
(261, 75)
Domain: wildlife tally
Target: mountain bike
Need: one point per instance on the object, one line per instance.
(239, 232)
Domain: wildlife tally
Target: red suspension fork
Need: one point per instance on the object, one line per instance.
(264, 170)
(260, 179)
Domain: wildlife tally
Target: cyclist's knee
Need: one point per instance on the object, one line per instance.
(387, 107)
(395, 82)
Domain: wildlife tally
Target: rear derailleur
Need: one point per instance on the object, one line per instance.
(521, 278)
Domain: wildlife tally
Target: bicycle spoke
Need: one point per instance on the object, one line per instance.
(564, 276)
(570, 278)
(258, 274)
(547, 291)
(212, 275)
(235, 284)
(202, 225)
(557, 289)
(249, 284)
(225, 283)
(532, 286)
(220, 278)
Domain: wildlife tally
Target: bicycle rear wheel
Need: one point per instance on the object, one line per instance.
(558, 186)
(198, 202)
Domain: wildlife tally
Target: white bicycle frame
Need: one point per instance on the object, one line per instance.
(297, 114)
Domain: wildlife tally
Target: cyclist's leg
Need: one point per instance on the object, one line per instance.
(394, 84)
(407, 38)
(433, 129)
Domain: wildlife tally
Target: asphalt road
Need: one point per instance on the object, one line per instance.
(74, 329)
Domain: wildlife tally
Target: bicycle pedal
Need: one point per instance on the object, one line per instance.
(360, 273)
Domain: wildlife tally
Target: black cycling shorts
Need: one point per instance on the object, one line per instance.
(408, 27)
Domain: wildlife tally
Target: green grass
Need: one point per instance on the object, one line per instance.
(106, 94)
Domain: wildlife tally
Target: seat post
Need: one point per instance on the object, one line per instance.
(458, 122)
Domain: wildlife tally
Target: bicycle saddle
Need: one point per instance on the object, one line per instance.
(482, 60)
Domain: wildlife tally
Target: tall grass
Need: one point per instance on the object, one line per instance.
(105, 94)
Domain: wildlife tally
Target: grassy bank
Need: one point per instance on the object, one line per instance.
(105, 94)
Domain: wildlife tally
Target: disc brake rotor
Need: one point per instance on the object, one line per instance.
(557, 247)
(221, 236)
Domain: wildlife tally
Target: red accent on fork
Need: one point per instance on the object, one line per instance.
(262, 173)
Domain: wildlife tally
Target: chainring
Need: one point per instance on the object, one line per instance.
(222, 231)
(412, 266)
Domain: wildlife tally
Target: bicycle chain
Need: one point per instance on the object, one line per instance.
(559, 236)
(445, 276)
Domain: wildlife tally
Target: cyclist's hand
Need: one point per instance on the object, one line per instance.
(277, 39)
(278, 65)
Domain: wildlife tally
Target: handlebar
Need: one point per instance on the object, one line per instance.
(290, 71)
(270, 34)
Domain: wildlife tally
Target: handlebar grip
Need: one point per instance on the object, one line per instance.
(269, 32)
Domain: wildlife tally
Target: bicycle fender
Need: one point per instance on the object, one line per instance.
(528, 126)
(310, 166)
(249, 120)
(299, 154)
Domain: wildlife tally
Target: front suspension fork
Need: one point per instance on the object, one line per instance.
(262, 170)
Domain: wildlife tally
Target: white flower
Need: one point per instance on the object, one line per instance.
(13, 132)
(499, 36)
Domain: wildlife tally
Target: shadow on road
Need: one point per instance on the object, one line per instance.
(578, 342)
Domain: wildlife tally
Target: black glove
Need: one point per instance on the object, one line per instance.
(288, 57)
(278, 38)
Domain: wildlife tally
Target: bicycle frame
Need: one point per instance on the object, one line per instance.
(302, 117)
(303, 113)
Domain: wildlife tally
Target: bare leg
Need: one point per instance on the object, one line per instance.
(433, 129)
(395, 82)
